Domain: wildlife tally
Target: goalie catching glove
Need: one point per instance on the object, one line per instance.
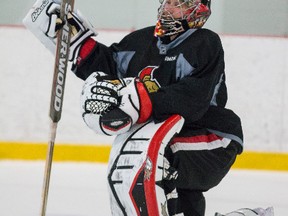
(44, 22)
(111, 107)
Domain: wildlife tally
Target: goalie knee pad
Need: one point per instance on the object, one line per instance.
(136, 167)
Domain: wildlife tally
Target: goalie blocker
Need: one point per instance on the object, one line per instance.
(136, 168)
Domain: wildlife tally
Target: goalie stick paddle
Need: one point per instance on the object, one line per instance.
(57, 94)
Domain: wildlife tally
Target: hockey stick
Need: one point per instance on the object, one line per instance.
(57, 94)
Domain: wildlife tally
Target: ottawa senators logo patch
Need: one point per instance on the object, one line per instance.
(147, 76)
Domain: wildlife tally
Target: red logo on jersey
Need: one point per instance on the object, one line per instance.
(146, 75)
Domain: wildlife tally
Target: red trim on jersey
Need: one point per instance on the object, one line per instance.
(196, 139)
(86, 49)
(149, 184)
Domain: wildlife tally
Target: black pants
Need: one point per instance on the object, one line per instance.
(199, 171)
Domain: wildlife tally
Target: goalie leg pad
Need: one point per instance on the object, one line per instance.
(135, 168)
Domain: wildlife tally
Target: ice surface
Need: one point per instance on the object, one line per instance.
(79, 189)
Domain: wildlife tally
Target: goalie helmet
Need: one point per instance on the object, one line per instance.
(176, 16)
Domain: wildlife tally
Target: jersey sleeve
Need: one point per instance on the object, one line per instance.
(94, 56)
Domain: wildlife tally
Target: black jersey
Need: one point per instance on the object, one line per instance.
(185, 76)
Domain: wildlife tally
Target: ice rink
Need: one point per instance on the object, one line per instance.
(79, 189)
(256, 66)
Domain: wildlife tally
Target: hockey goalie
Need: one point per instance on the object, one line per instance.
(162, 92)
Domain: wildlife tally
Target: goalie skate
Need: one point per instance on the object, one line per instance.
(135, 168)
(250, 212)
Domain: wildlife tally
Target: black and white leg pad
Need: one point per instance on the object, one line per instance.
(135, 168)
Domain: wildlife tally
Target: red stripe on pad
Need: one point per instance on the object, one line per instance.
(196, 139)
